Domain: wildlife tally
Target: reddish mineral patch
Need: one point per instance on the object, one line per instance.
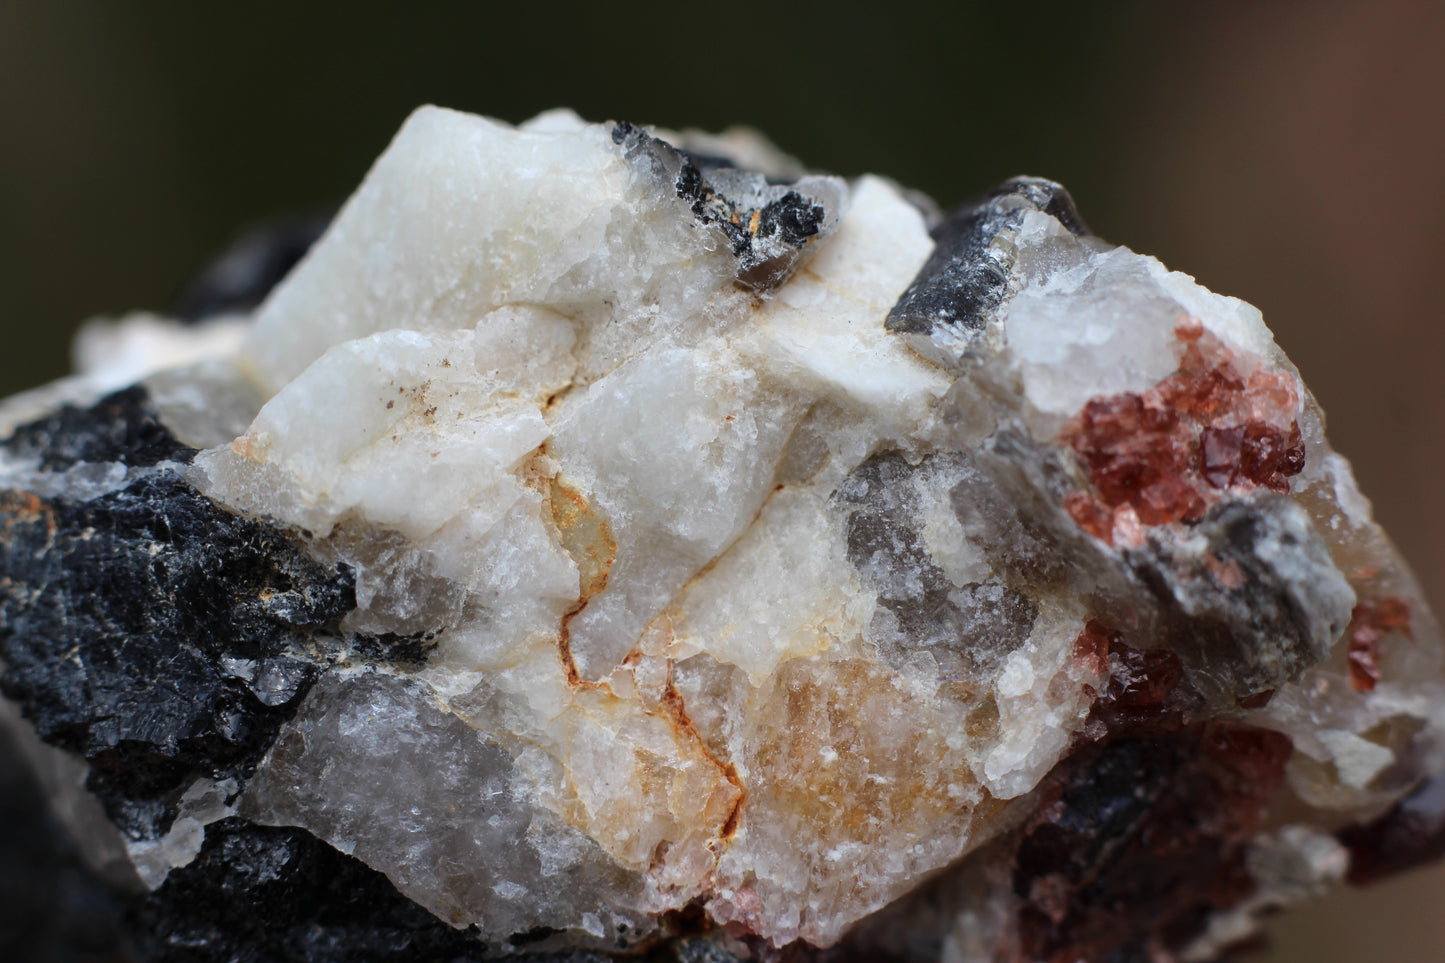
(1410, 834)
(1370, 622)
(1223, 421)
(1141, 838)
(1141, 834)
(1091, 648)
(1141, 682)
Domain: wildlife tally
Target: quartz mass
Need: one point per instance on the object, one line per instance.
(610, 541)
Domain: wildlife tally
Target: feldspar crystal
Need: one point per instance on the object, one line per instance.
(619, 541)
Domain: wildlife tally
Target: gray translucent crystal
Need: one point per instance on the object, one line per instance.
(376, 768)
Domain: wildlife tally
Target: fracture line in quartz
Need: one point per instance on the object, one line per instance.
(672, 700)
(564, 649)
(676, 710)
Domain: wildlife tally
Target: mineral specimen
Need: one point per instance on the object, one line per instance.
(612, 541)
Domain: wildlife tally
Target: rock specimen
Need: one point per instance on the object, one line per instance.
(618, 542)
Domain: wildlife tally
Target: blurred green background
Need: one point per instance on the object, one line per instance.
(1288, 153)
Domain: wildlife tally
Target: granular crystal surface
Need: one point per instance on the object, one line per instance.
(610, 541)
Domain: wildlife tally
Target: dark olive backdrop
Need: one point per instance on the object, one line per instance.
(1290, 154)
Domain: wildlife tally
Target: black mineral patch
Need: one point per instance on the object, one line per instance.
(403, 651)
(1411, 834)
(1251, 634)
(121, 427)
(767, 223)
(152, 632)
(962, 284)
(1139, 840)
(239, 279)
(261, 893)
(1100, 811)
(792, 217)
(53, 908)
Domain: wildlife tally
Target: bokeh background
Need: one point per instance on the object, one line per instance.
(1292, 154)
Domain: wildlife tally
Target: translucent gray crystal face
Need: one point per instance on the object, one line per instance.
(611, 541)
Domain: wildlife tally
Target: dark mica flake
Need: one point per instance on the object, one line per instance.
(152, 632)
(962, 283)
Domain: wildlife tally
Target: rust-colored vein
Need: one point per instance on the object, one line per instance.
(587, 539)
(676, 707)
(564, 648)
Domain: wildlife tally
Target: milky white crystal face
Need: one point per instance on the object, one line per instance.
(766, 545)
